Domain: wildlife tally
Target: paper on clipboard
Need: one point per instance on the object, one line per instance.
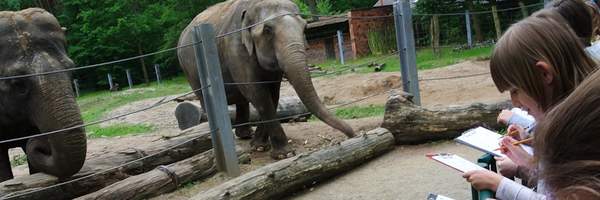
(482, 139)
(455, 161)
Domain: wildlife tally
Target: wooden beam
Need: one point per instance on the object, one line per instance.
(279, 179)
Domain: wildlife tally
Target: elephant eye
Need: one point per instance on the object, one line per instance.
(19, 87)
(267, 30)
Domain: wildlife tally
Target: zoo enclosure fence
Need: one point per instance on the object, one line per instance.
(207, 57)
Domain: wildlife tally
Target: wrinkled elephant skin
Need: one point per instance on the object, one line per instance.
(32, 41)
(266, 52)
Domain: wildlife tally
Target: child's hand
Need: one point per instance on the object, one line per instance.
(483, 179)
(504, 116)
(506, 167)
(522, 134)
(517, 154)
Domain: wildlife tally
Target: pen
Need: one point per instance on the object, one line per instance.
(517, 143)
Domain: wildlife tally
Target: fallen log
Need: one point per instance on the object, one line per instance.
(163, 180)
(412, 124)
(278, 179)
(93, 176)
(189, 114)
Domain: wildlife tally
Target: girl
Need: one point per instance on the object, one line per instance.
(567, 147)
(540, 61)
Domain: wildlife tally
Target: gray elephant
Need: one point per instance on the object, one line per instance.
(32, 41)
(265, 52)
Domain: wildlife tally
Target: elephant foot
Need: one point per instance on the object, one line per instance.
(243, 133)
(259, 145)
(283, 153)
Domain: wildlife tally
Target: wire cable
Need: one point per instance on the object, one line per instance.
(97, 65)
(158, 103)
(106, 170)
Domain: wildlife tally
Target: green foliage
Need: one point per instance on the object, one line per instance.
(324, 7)
(304, 9)
(117, 130)
(17, 160)
(382, 40)
(101, 31)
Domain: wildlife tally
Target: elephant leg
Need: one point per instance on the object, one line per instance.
(5, 169)
(261, 129)
(278, 139)
(242, 114)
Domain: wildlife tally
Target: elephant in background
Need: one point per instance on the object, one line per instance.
(32, 41)
(266, 52)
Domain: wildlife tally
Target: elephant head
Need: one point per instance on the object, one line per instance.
(279, 44)
(32, 41)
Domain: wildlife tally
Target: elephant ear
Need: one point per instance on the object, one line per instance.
(247, 34)
(249, 29)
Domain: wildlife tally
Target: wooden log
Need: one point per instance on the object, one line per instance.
(281, 178)
(172, 149)
(412, 124)
(189, 114)
(163, 180)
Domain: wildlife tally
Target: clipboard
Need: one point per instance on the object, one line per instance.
(483, 140)
(455, 162)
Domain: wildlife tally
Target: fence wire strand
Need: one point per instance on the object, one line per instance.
(156, 104)
(99, 64)
(106, 170)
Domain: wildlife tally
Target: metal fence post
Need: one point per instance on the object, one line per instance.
(110, 82)
(129, 81)
(469, 36)
(209, 72)
(157, 71)
(340, 38)
(76, 85)
(405, 42)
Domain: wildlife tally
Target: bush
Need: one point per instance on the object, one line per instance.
(382, 40)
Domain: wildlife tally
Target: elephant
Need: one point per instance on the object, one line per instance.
(32, 41)
(266, 52)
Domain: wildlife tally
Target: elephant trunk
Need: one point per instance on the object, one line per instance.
(61, 154)
(292, 59)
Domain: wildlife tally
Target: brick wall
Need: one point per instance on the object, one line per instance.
(359, 27)
(316, 52)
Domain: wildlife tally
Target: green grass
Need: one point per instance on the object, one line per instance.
(95, 105)
(356, 112)
(117, 130)
(425, 59)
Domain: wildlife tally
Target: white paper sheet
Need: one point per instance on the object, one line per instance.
(482, 139)
(455, 162)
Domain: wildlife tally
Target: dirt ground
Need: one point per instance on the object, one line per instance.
(403, 173)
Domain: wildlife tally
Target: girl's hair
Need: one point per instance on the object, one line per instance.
(567, 144)
(576, 13)
(534, 39)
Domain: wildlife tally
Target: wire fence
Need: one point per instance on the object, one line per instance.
(420, 21)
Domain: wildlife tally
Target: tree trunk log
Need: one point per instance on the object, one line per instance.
(190, 114)
(412, 124)
(190, 142)
(158, 182)
(435, 36)
(278, 179)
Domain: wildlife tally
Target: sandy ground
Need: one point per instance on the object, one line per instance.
(403, 173)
